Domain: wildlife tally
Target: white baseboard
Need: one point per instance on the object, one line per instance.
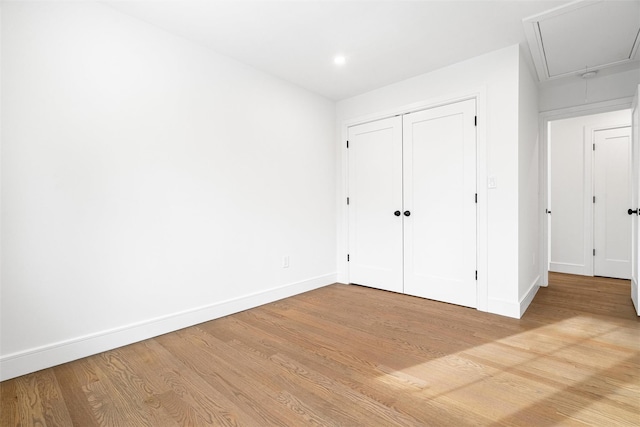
(635, 295)
(561, 267)
(503, 307)
(35, 359)
(529, 295)
(514, 309)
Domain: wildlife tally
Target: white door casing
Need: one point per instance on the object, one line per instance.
(375, 193)
(634, 205)
(612, 192)
(439, 192)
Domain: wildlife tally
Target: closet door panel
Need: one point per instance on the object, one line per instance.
(439, 193)
(375, 193)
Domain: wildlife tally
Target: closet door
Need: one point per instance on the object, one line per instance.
(375, 202)
(439, 147)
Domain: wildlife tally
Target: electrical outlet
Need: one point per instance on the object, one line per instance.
(285, 261)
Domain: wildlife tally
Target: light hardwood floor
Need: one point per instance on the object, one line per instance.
(353, 356)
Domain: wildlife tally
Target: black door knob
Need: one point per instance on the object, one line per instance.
(397, 213)
(632, 211)
(407, 213)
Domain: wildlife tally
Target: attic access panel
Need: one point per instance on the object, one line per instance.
(583, 36)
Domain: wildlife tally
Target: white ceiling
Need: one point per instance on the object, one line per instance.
(383, 41)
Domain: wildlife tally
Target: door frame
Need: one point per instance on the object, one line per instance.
(545, 118)
(480, 97)
(635, 199)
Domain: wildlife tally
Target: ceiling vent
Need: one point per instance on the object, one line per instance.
(583, 36)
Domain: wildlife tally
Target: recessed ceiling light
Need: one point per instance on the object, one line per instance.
(339, 60)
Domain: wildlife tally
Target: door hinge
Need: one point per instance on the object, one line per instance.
(476, 274)
(476, 197)
(347, 200)
(347, 144)
(594, 147)
(347, 257)
(475, 120)
(594, 252)
(594, 199)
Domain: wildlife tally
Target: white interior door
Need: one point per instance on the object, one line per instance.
(439, 147)
(612, 224)
(375, 195)
(635, 191)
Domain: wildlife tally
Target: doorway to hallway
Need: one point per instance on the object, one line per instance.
(589, 194)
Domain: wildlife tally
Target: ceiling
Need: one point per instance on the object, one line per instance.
(383, 41)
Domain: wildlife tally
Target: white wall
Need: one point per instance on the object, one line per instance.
(529, 210)
(494, 77)
(606, 86)
(571, 190)
(148, 184)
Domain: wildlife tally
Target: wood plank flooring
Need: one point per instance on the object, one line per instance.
(353, 356)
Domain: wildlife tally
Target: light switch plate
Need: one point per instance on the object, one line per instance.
(492, 182)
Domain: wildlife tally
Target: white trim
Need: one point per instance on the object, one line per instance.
(634, 296)
(587, 109)
(529, 295)
(413, 107)
(480, 95)
(588, 183)
(504, 307)
(635, 189)
(545, 202)
(342, 211)
(512, 308)
(569, 268)
(545, 118)
(27, 361)
(482, 230)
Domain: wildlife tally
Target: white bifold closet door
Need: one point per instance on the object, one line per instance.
(412, 211)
